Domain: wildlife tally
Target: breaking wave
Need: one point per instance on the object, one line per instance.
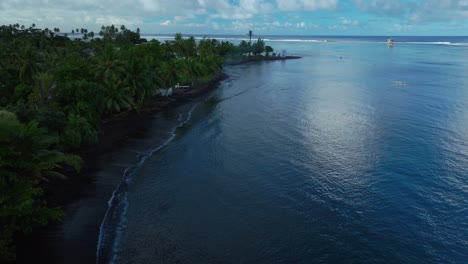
(115, 220)
(442, 41)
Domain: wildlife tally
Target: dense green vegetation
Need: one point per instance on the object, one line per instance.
(56, 90)
(54, 93)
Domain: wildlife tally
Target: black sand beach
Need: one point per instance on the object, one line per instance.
(84, 196)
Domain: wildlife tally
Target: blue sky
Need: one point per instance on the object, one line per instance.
(293, 17)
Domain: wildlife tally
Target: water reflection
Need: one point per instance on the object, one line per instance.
(320, 160)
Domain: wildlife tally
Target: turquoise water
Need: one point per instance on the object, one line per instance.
(356, 153)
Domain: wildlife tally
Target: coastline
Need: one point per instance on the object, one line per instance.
(261, 59)
(84, 196)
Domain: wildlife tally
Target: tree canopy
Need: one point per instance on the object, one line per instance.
(54, 93)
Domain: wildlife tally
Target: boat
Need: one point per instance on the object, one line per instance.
(390, 42)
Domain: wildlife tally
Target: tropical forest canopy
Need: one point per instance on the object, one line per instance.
(56, 90)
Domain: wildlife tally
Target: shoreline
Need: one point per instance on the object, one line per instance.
(261, 59)
(84, 196)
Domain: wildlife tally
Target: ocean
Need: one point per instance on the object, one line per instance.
(355, 153)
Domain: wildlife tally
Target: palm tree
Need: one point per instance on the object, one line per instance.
(25, 159)
(244, 47)
(85, 34)
(140, 78)
(117, 96)
(190, 69)
(25, 59)
(45, 88)
(190, 47)
(110, 70)
(108, 64)
(178, 44)
(171, 72)
(268, 50)
(259, 47)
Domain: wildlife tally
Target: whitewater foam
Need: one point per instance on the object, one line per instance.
(114, 222)
(443, 41)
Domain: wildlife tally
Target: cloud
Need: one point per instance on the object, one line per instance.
(306, 5)
(399, 27)
(264, 28)
(382, 7)
(347, 22)
(112, 20)
(91, 14)
(179, 18)
(167, 8)
(242, 9)
(301, 25)
(423, 11)
(440, 10)
(235, 16)
(165, 23)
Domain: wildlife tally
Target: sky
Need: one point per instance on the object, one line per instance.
(264, 17)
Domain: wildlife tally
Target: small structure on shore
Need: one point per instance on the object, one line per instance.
(178, 86)
(164, 92)
(170, 91)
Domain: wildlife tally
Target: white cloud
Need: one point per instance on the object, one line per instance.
(306, 5)
(386, 7)
(400, 28)
(164, 7)
(179, 18)
(112, 20)
(422, 11)
(233, 16)
(440, 10)
(243, 9)
(91, 14)
(165, 23)
(151, 6)
(347, 22)
(301, 25)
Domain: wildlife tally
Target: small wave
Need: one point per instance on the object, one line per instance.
(114, 222)
(324, 39)
(458, 44)
(441, 43)
(399, 83)
(299, 40)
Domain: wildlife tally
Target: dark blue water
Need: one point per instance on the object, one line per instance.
(356, 153)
